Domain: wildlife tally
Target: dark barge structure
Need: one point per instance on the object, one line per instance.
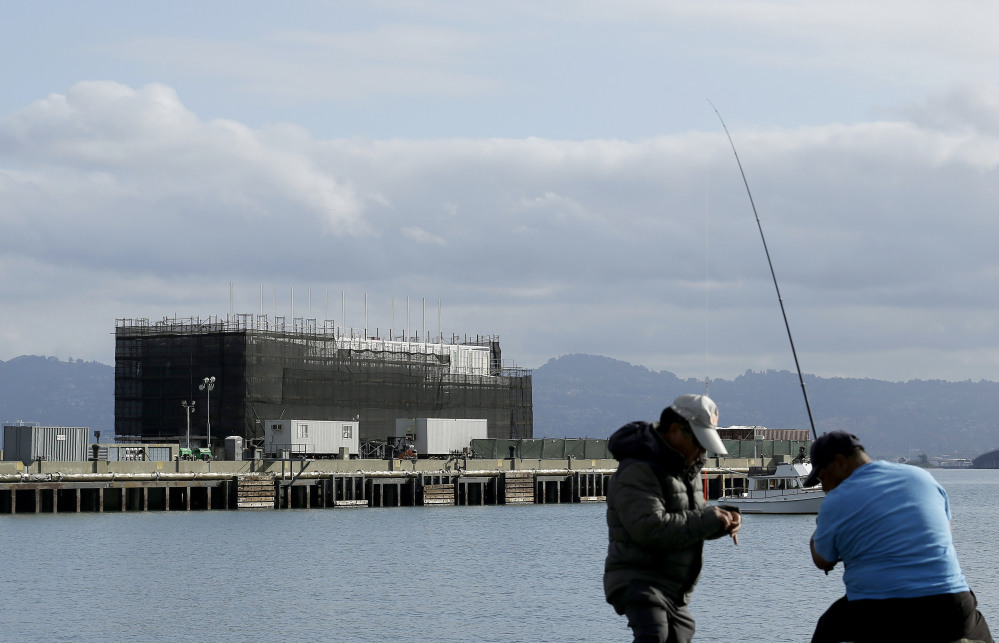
(258, 369)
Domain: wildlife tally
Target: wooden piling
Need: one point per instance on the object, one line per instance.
(518, 488)
(254, 491)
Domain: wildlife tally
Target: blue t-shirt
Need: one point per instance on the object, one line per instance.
(890, 525)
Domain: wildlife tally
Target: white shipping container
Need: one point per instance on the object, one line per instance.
(319, 438)
(58, 443)
(441, 436)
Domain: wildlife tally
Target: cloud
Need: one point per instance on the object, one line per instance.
(118, 202)
(350, 65)
(822, 35)
(106, 163)
(421, 236)
(964, 108)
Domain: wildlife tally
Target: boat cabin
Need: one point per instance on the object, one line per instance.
(778, 479)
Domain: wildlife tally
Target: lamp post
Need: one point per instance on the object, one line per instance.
(207, 385)
(188, 406)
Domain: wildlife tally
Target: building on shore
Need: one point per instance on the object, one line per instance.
(268, 369)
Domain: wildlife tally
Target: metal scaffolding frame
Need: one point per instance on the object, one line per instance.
(268, 369)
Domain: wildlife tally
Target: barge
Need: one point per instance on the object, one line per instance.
(57, 487)
(186, 485)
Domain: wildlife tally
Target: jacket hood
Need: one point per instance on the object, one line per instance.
(636, 440)
(640, 441)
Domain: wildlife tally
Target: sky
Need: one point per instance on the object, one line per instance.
(553, 173)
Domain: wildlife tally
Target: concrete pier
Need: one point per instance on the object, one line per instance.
(56, 487)
(53, 487)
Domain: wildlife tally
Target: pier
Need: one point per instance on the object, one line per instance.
(57, 487)
(180, 485)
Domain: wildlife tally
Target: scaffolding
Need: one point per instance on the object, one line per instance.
(269, 368)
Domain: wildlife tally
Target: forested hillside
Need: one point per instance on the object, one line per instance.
(591, 396)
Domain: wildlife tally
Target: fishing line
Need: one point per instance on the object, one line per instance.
(772, 273)
(707, 283)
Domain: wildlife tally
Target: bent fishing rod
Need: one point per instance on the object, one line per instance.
(772, 273)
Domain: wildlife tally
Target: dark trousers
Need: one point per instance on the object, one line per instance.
(653, 616)
(942, 618)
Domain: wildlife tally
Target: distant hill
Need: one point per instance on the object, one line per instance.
(591, 396)
(47, 391)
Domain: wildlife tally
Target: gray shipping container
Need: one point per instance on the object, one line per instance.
(441, 436)
(58, 443)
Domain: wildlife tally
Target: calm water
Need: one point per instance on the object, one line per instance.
(412, 574)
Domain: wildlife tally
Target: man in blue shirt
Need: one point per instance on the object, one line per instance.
(890, 525)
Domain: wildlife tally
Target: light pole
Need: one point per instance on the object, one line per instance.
(207, 385)
(188, 406)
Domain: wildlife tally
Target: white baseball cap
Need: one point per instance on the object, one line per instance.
(701, 413)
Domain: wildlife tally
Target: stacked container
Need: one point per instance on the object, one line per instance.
(28, 443)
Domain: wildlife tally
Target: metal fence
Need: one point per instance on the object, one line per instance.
(591, 448)
(765, 448)
(541, 448)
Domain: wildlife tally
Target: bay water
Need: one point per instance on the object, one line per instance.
(517, 573)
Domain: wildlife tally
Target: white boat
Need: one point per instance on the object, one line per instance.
(778, 490)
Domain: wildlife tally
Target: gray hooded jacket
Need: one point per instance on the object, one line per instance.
(656, 516)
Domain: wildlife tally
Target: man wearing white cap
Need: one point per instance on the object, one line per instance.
(657, 518)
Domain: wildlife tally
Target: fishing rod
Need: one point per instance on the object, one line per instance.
(772, 273)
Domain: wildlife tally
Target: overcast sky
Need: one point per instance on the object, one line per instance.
(550, 172)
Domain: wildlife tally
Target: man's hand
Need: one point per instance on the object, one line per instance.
(731, 520)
